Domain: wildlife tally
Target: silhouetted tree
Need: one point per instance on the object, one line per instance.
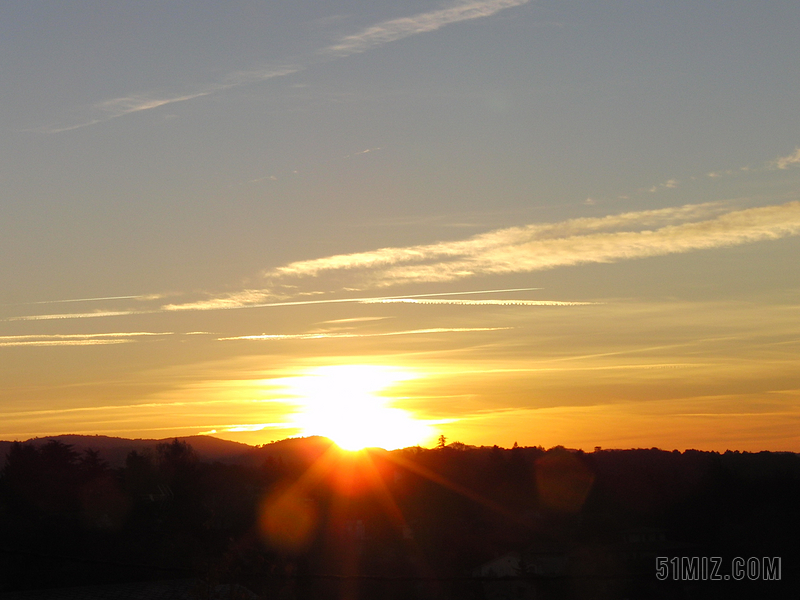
(175, 456)
(45, 478)
(20, 476)
(92, 465)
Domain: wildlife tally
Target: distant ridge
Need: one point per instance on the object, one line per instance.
(115, 450)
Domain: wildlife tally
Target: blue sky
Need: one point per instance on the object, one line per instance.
(185, 169)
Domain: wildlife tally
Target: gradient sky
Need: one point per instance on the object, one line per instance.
(543, 222)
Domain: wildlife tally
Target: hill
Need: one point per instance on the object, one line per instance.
(114, 449)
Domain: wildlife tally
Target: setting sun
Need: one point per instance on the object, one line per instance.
(344, 403)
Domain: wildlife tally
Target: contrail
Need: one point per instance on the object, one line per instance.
(322, 336)
(81, 300)
(209, 305)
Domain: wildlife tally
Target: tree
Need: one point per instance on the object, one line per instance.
(92, 465)
(176, 456)
(442, 441)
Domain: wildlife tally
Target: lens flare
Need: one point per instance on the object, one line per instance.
(288, 521)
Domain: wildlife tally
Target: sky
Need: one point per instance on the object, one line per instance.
(495, 220)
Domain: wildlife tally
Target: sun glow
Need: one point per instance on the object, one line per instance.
(343, 403)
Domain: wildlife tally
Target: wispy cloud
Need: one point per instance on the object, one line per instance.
(784, 162)
(98, 299)
(116, 407)
(576, 241)
(126, 105)
(91, 315)
(371, 37)
(79, 342)
(74, 339)
(670, 184)
(250, 427)
(252, 299)
(397, 29)
(353, 320)
(492, 302)
(327, 335)
(246, 299)
(234, 300)
(498, 239)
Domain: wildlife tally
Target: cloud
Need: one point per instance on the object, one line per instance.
(576, 241)
(498, 238)
(125, 105)
(243, 299)
(83, 342)
(784, 162)
(477, 302)
(372, 37)
(91, 315)
(397, 29)
(353, 320)
(98, 299)
(718, 174)
(255, 427)
(323, 335)
(114, 407)
(238, 78)
(252, 299)
(235, 300)
(74, 339)
(118, 107)
(670, 184)
(131, 104)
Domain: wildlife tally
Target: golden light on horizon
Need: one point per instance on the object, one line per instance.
(345, 403)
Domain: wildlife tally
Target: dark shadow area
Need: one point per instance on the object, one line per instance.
(301, 519)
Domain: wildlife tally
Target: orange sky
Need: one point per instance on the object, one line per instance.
(497, 220)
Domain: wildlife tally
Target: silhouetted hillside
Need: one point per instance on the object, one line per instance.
(301, 518)
(114, 450)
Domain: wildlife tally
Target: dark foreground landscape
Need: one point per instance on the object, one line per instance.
(96, 517)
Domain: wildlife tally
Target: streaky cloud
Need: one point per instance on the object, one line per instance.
(112, 407)
(119, 107)
(239, 300)
(500, 238)
(126, 105)
(397, 29)
(69, 336)
(353, 320)
(251, 299)
(74, 339)
(784, 162)
(458, 302)
(98, 299)
(256, 427)
(235, 300)
(576, 241)
(371, 37)
(321, 336)
(91, 315)
(84, 342)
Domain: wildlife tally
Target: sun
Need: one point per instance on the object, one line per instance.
(344, 404)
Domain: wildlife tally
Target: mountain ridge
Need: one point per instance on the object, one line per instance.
(114, 450)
